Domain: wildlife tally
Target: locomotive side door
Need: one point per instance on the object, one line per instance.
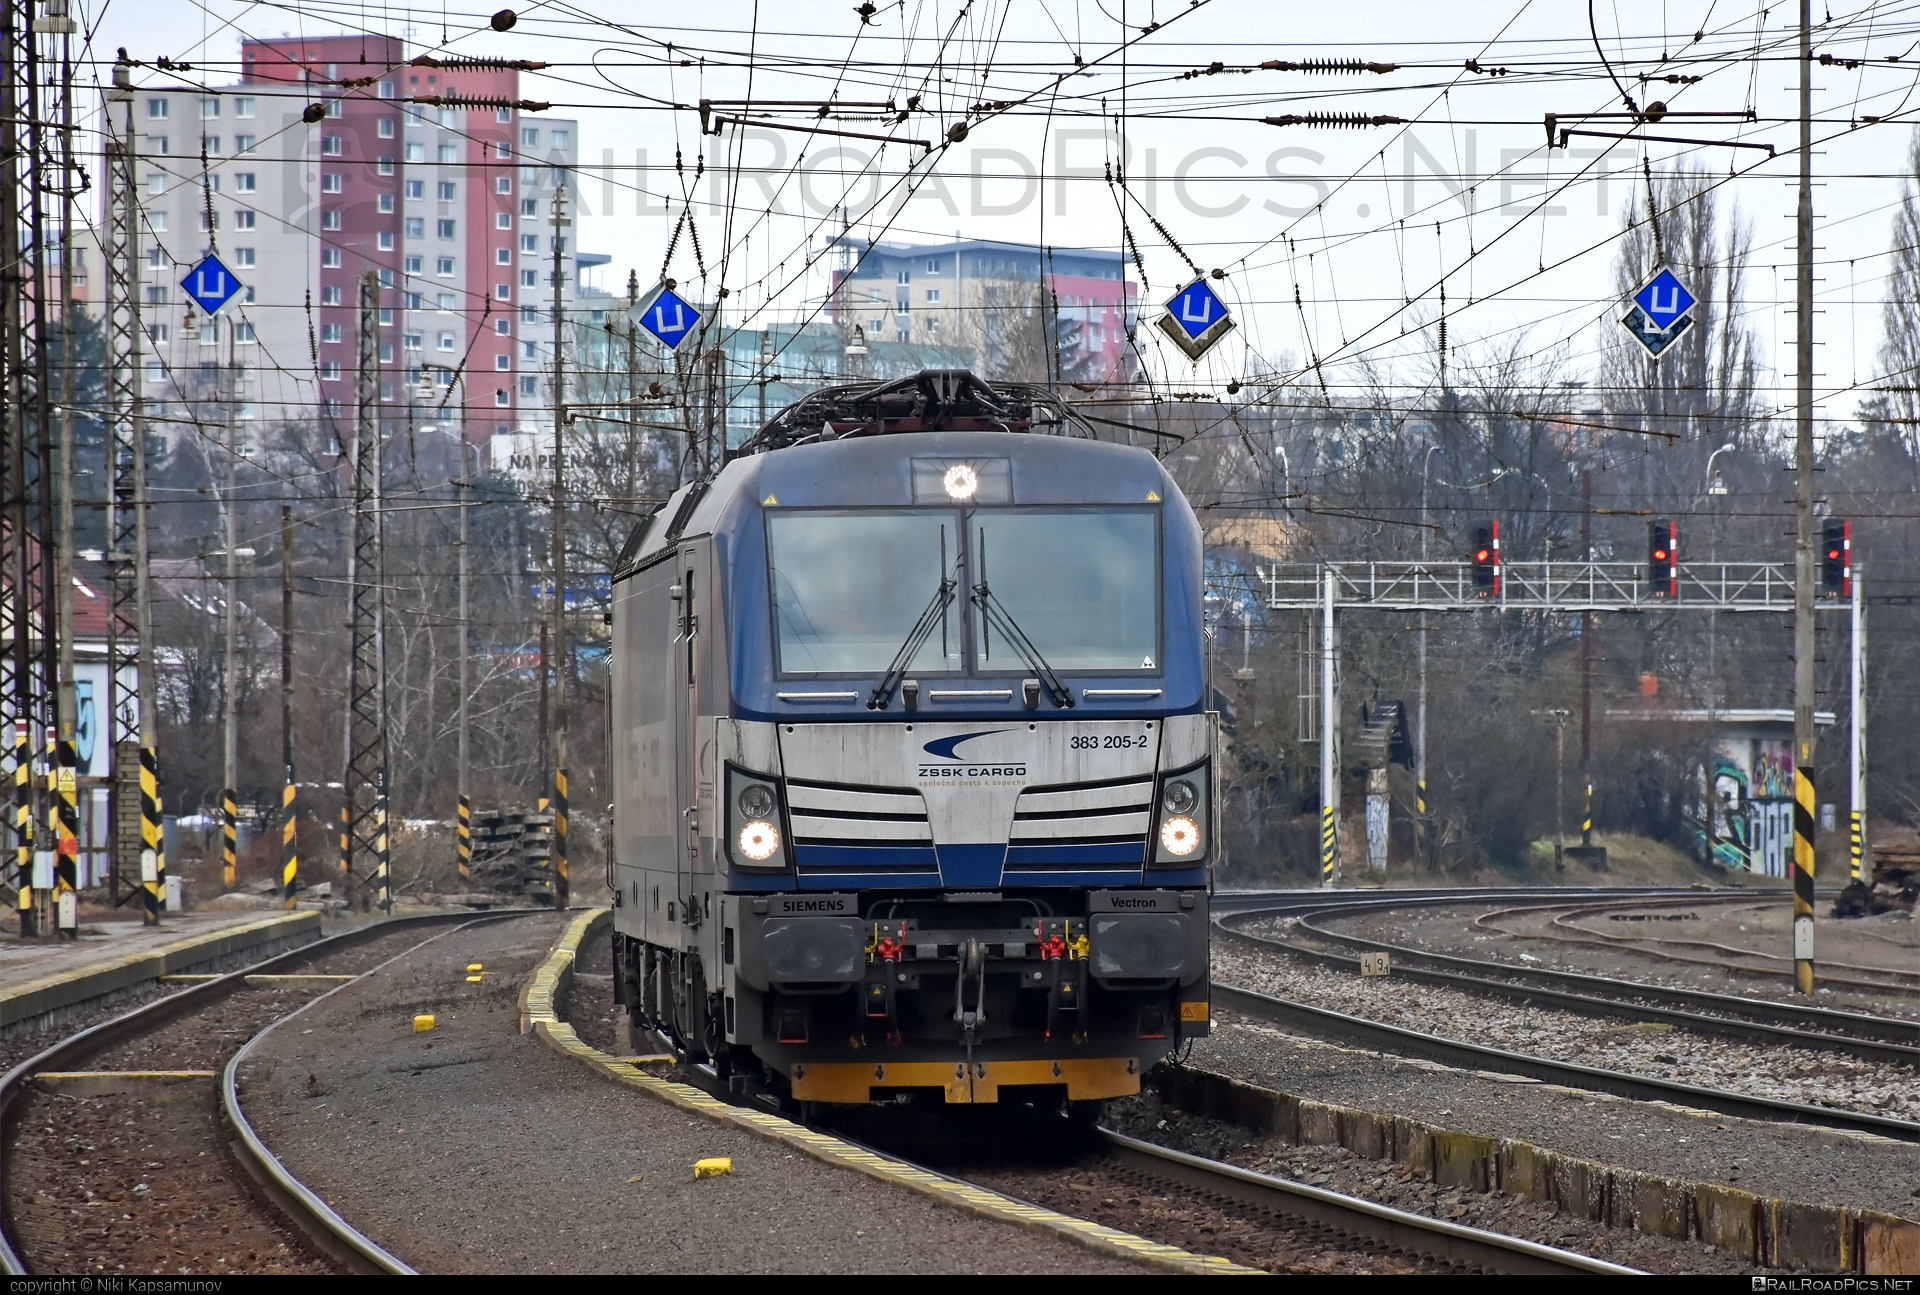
(693, 739)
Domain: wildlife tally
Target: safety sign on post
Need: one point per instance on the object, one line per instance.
(1196, 318)
(210, 284)
(1661, 313)
(667, 317)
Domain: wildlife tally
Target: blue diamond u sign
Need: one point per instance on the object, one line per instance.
(669, 318)
(210, 284)
(1196, 318)
(1664, 299)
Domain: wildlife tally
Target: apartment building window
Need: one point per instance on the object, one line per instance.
(213, 183)
(446, 191)
(332, 146)
(329, 220)
(157, 109)
(388, 128)
(386, 281)
(502, 291)
(529, 387)
(244, 219)
(502, 361)
(209, 220)
(329, 258)
(499, 395)
(384, 166)
(386, 357)
(245, 182)
(243, 332)
(444, 341)
(557, 176)
(416, 116)
(245, 106)
(933, 326)
(412, 341)
(529, 279)
(209, 109)
(905, 276)
(560, 139)
(157, 294)
(529, 351)
(157, 333)
(416, 152)
(443, 265)
(933, 294)
(413, 301)
(900, 334)
(933, 267)
(247, 296)
(416, 228)
(502, 256)
(529, 316)
(386, 89)
(503, 220)
(157, 183)
(156, 371)
(412, 263)
(529, 137)
(503, 327)
(873, 327)
(329, 370)
(529, 176)
(503, 184)
(530, 208)
(210, 144)
(157, 221)
(386, 316)
(330, 182)
(444, 229)
(449, 116)
(416, 190)
(902, 306)
(445, 302)
(243, 258)
(446, 154)
(502, 150)
(157, 258)
(386, 240)
(158, 144)
(386, 204)
(333, 107)
(530, 242)
(330, 332)
(330, 295)
(244, 143)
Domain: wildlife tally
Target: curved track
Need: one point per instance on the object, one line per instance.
(1751, 1020)
(306, 1212)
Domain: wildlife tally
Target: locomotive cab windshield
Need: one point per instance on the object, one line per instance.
(914, 779)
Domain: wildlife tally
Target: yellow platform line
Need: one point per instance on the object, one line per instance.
(538, 1016)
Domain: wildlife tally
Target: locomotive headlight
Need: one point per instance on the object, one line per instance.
(755, 802)
(1179, 836)
(1180, 798)
(760, 839)
(960, 481)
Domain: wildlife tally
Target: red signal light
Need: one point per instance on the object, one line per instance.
(1481, 556)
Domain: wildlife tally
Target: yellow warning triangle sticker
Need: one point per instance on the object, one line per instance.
(769, 500)
(1153, 496)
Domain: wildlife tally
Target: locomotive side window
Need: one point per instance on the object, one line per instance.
(848, 588)
(1084, 586)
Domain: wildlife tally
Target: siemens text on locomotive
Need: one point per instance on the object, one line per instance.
(913, 773)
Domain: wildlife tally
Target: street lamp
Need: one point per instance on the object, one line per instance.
(1716, 484)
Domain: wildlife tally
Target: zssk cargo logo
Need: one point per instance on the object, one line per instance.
(957, 766)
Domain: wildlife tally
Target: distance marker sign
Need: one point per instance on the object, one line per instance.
(1196, 319)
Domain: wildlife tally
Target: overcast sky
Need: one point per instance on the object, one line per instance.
(1357, 220)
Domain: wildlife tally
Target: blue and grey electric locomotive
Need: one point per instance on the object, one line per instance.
(913, 774)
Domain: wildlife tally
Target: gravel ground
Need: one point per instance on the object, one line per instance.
(1655, 1049)
(1406, 1188)
(475, 1148)
(140, 1184)
(1450, 929)
(1793, 1161)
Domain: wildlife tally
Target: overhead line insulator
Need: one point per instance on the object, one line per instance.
(1334, 120)
(1327, 66)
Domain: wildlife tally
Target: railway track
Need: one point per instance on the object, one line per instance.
(42, 1173)
(1763, 1022)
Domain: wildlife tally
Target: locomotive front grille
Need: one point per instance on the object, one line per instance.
(1081, 829)
(860, 835)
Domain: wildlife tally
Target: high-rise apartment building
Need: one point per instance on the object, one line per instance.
(421, 172)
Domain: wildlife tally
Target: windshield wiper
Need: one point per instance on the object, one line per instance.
(882, 694)
(1001, 619)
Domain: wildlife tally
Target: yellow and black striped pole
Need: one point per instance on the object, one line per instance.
(1859, 818)
(1803, 877)
(1328, 842)
(66, 819)
(289, 840)
(382, 875)
(463, 839)
(153, 841)
(562, 890)
(23, 827)
(229, 836)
